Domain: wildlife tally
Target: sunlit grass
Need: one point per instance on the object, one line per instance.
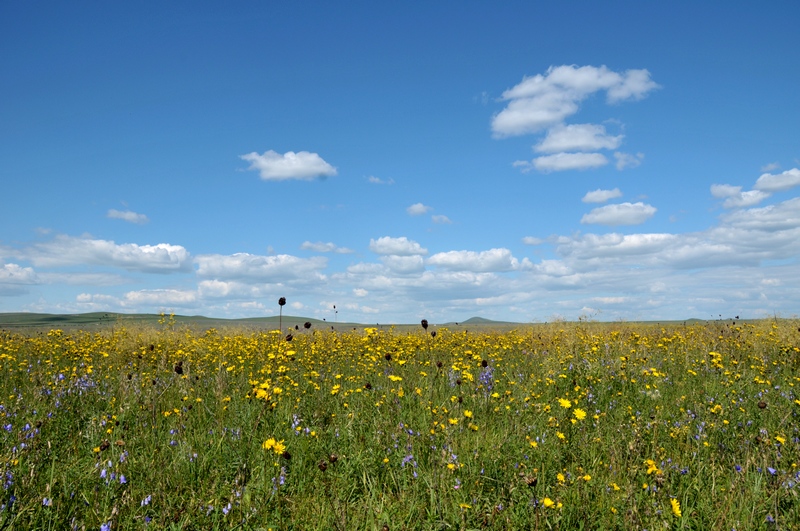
(601, 426)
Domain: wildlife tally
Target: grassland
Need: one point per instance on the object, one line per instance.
(163, 425)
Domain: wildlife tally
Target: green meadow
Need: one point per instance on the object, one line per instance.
(164, 424)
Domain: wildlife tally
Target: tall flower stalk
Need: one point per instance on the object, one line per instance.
(281, 303)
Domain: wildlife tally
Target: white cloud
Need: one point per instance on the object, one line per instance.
(127, 215)
(484, 261)
(359, 292)
(778, 183)
(441, 220)
(601, 196)
(402, 246)
(569, 161)
(543, 101)
(725, 190)
(620, 214)
(772, 166)
(249, 267)
(67, 250)
(418, 209)
(735, 198)
(377, 180)
(302, 165)
(161, 297)
(323, 247)
(626, 160)
(16, 274)
(577, 137)
(403, 265)
(530, 240)
(745, 199)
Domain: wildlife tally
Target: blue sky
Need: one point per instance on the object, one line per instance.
(519, 161)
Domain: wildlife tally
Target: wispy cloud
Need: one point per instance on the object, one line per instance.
(418, 209)
(377, 180)
(620, 214)
(601, 196)
(325, 247)
(441, 219)
(129, 216)
(563, 162)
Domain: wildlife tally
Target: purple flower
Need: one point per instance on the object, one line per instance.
(738, 468)
(122, 479)
(147, 500)
(106, 527)
(771, 470)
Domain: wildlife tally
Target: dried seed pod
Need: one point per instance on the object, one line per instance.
(424, 324)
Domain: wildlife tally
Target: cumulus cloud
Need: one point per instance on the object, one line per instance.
(127, 215)
(14, 279)
(778, 183)
(601, 196)
(564, 162)
(325, 247)
(577, 137)
(626, 160)
(735, 198)
(249, 267)
(543, 101)
(67, 250)
(401, 246)
(418, 209)
(273, 166)
(491, 260)
(441, 220)
(620, 214)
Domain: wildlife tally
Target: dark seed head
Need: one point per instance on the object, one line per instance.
(425, 324)
(762, 405)
(388, 357)
(296, 327)
(333, 458)
(179, 368)
(367, 386)
(282, 301)
(152, 348)
(484, 363)
(458, 382)
(130, 376)
(439, 364)
(286, 455)
(307, 325)
(323, 466)
(289, 337)
(104, 445)
(460, 399)
(433, 333)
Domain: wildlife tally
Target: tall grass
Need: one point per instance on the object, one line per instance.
(565, 426)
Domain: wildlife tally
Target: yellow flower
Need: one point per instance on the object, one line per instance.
(780, 439)
(560, 435)
(468, 413)
(394, 378)
(563, 402)
(465, 506)
(560, 477)
(276, 446)
(676, 507)
(547, 502)
(579, 414)
(587, 477)
(453, 421)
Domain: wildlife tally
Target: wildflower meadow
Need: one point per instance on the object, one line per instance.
(553, 426)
